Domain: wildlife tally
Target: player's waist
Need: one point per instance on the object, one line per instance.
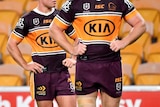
(109, 57)
(48, 53)
(51, 63)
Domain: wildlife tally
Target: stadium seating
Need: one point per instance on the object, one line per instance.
(26, 53)
(22, 2)
(147, 4)
(148, 74)
(25, 50)
(3, 39)
(127, 74)
(5, 28)
(132, 55)
(153, 52)
(152, 18)
(60, 3)
(11, 75)
(9, 17)
(30, 5)
(12, 5)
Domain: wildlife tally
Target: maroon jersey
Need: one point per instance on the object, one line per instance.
(34, 27)
(55, 80)
(97, 23)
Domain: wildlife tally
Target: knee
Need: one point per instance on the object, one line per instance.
(86, 101)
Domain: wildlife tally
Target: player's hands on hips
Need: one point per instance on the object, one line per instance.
(69, 62)
(79, 48)
(34, 67)
(116, 45)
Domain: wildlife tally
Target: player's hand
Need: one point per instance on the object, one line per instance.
(69, 62)
(79, 48)
(116, 45)
(34, 67)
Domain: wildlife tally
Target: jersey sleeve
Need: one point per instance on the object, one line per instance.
(70, 32)
(128, 9)
(66, 15)
(20, 30)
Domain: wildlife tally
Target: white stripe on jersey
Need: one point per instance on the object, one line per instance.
(99, 14)
(18, 34)
(38, 28)
(63, 21)
(48, 53)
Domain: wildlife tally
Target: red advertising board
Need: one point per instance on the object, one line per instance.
(133, 96)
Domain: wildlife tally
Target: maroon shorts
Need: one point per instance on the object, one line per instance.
(46, 86)
(103, 76)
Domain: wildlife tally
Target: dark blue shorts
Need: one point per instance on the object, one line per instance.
(100, 75)
(46, 86)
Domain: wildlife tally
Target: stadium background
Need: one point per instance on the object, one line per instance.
(141, 60)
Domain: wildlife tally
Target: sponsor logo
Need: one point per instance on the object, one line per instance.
(86, 6)
(111, 6)
(99, 6)
(118, 82)
(47, 21)
(45, 41)
(78, 85)
(99, 27)
(36, 21)
(41, 90)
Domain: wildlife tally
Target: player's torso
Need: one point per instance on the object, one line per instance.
(38, 34)
(97, 20)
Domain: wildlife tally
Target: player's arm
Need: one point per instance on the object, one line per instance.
(59, 37)
(12, 47)
(138, 28)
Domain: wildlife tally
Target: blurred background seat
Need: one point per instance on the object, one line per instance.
(132, 55)
(148, 74)
(12, 5)
(11, 75)
(9, 17)
(153, 52)
(127, 74)
(30, 5)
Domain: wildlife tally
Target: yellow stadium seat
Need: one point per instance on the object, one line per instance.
(12, 5)
(148, 74)
(26, 53)
(152, 18)
(153, 52)
(3, 39)
(22, 2)
(31, 4)
(60, 3)
(25, 49)
(127, 74)
(132, 55)
(150, 4)
(9, 17)
(11, 75)
(144, 40)
(5, 28)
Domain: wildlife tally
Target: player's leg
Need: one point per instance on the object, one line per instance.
(88, 100)
(108, 101)
(112, 89)
(39, 87)
(65, 92)
(45, 103)
(66, 100)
